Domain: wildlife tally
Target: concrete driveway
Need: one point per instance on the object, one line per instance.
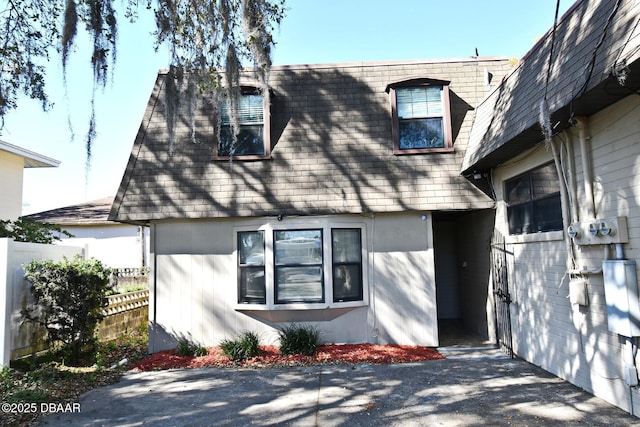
(471, 387)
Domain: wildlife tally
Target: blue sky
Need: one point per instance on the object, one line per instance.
(314, 31)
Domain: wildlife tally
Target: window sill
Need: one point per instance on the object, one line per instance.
(548, 236)
(423, 151)
(251, 157)
(299, 306)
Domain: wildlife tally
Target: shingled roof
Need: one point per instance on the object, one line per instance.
(88, 213)
(595, 44)
(331, 149)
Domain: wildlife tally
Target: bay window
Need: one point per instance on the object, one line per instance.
(310, 266)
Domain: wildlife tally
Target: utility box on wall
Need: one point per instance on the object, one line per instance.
(621, 293)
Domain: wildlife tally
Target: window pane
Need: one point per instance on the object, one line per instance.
(548, 214)
(421, 133)
(347, 264)
(347, 282)
(251, 247)
(299, 284)
(250, 110)
(249, 141)
(298, 259)
(252, 285)
(346, 245)
(544, 181)
(423, 101)
(521, 219)
(298, 247)
(518, 189)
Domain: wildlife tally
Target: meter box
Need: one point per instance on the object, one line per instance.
(621, 293)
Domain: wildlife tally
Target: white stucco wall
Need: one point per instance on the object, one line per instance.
(11, 170)
(195, 293)
(573, 342)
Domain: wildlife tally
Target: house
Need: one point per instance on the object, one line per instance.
(16, 339)
(340, 205)
(117, 245)
(13, 161)
(567, 218)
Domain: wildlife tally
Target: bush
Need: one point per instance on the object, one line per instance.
(68, 298)
(188, 348)
(27, 230)
(246, 346)
(298, 339)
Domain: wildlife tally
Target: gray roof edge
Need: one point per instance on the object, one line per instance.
(355, 64)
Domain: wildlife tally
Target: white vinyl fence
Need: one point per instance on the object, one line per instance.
(16, 339)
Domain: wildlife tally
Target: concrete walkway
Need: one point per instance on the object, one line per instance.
(471, 387)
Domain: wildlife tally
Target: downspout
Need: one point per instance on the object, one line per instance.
(564, 200)
(153, 292)
(587, 174)
(571, 178)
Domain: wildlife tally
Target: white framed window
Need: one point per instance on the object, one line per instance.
(346, 264)
(251, 274)
(298, 266)
(306, 265)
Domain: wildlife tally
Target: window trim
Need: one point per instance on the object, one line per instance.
(326, 225)
(446, 117)
(266, 130)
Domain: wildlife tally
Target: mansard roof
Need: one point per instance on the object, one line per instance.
(331, 149)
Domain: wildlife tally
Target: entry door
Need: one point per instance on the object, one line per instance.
(502, 296)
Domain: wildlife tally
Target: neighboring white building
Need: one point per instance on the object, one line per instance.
(115, 244)
(13, 161)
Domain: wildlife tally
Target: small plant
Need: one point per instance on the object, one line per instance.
(246, 346)
(298, 339)
(188, 348)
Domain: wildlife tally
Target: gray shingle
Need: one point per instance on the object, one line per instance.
(332, 150)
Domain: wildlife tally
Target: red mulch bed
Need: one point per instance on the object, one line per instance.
(334, 354)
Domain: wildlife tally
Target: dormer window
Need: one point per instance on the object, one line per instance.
(421, 120)
(252, 138)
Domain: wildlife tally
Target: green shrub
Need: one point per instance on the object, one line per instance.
(127, 289)
(27, 230)
(246, 346)
(68, 298)
(188, 348)
(298, 339)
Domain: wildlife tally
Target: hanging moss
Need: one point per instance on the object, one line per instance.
(208, 40)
